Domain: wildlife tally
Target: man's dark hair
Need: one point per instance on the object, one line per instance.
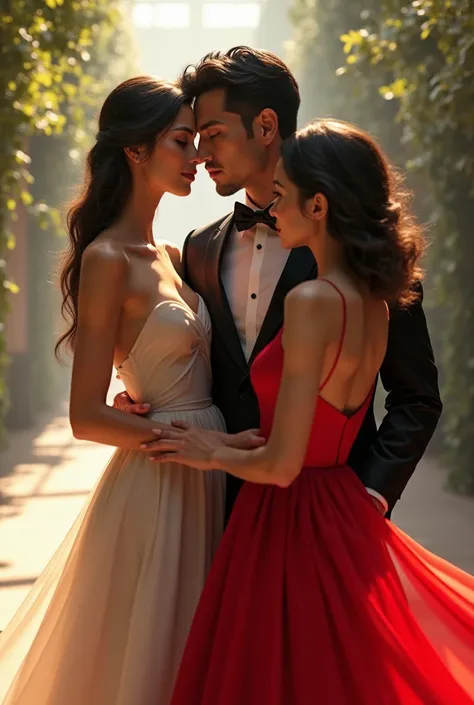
(252, 79)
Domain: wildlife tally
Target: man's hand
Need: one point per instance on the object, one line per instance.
(181, 432)
(123, 402)
(245, 440)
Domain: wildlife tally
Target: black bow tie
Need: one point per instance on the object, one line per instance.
(245, 218)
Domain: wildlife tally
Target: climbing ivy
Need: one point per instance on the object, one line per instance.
(405, 71)
(427, 49)
(52, 77)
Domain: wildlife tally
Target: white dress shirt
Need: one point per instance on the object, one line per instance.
(251, 266)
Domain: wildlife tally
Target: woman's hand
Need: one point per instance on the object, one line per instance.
(196, 447)
(193, 447)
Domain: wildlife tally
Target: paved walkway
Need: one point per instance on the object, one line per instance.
(46, 475)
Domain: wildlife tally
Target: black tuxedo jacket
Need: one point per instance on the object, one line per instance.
(385, 458)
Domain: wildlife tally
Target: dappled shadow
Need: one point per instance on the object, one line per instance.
(18, 582)
(46, 476)
(26, 455)
(56, 495)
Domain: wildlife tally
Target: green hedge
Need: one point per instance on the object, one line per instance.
(53, 59)
(405, 71)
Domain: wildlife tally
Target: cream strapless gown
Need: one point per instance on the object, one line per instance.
(106, 622)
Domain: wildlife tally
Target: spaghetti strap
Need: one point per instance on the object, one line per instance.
(343, 332)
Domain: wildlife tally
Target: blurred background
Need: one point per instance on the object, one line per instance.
(403, 70)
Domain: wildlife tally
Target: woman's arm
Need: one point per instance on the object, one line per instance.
(308, 311)
(102, 292)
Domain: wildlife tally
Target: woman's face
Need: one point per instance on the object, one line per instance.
(294, 227)
(171, 167)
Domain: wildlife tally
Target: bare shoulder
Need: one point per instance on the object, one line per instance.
(312, 296)
(105, 259)
(310, 311)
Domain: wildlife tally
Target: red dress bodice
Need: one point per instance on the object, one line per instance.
(333, 431)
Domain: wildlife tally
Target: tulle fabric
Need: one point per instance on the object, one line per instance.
(315, 598)
(106, 622)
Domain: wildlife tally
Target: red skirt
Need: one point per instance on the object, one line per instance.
(315, 599)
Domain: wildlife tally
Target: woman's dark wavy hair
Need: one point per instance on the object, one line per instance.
(135, 113)
(368, 211)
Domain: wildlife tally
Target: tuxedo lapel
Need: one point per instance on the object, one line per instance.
(299, 267)
(217, 302)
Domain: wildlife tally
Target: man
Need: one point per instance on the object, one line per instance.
(246, 104)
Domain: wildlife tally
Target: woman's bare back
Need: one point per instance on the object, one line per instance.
(358, 342)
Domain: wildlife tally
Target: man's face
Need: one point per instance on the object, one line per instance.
(232, 157)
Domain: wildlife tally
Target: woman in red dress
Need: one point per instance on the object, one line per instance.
(314, 597)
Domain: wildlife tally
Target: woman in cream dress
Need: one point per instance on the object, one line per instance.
(106, 622)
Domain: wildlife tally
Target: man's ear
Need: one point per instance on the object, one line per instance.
(267, 123)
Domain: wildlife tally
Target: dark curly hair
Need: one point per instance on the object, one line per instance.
(368, 210)
(253, 80)
(134, 114)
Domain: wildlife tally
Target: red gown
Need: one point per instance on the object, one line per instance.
(315, 599)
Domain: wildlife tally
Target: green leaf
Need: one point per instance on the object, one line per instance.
(26, 197)
(63, 59)
(11, 286)
(28, 110)
(70, 89)
(44, 78)
(399, 87)
(22, 158)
